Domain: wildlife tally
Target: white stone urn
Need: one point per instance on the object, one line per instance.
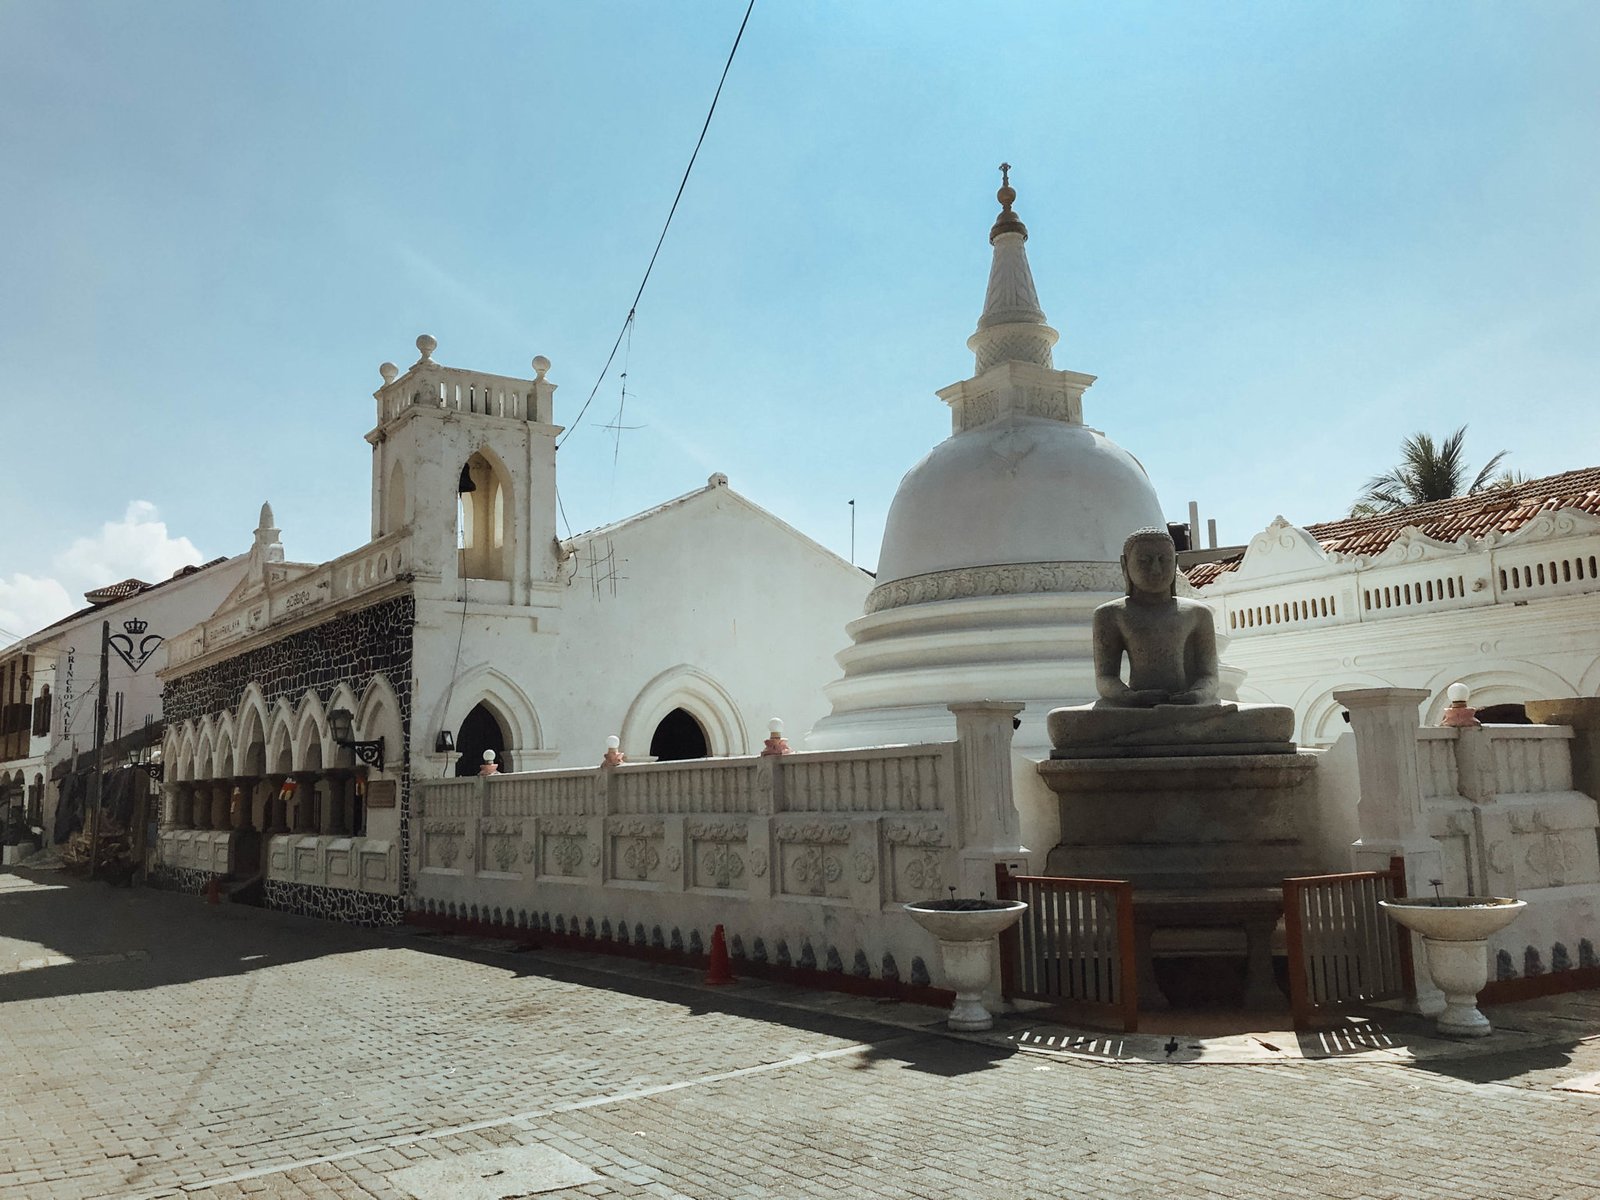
(966, 930)
(1455, 939)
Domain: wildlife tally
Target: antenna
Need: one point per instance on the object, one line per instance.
(852, 533)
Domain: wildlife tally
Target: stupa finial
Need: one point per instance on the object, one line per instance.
(1007, 221)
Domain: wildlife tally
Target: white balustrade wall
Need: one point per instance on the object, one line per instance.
(805, 858)
(1500, 802)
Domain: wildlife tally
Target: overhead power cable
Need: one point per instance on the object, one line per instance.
(684, 182)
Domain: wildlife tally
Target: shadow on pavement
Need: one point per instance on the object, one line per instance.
(62, 936)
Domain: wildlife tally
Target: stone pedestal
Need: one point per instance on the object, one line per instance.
(1184, 824)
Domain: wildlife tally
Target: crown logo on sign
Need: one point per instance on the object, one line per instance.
(136, 625)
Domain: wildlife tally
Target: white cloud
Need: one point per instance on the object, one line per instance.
(138, 547)
(28, 603)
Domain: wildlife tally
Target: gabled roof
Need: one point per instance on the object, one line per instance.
(717, 483)
(1494, 510)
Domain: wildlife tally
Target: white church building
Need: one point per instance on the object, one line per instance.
(464, 626)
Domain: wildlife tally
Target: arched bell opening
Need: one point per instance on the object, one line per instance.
(483, 508)
(677, 737)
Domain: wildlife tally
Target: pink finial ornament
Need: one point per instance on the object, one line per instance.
(775, 744)
(1459, 715)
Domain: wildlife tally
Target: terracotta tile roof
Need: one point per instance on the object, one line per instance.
(1209, 572)
(115, 591)
(1496, 510)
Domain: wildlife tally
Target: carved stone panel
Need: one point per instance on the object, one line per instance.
(563, 847)
(636, 850)
(812, 860)
(502, 846)
(441, 844)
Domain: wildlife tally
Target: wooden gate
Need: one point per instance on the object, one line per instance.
(1073, 947)
(1342, 949)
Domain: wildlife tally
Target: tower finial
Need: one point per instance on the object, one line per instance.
(1007, 221)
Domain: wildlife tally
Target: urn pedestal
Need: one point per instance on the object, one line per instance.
(966, 930)
(1455, 938)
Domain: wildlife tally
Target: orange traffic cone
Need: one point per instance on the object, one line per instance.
(213, 891)
(721, 971)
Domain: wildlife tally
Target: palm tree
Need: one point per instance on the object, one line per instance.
(1427, 471)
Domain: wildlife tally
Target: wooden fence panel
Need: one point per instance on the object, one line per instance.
(1074, 945)
(1342, 949)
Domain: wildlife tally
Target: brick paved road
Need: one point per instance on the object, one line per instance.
(226, 1052)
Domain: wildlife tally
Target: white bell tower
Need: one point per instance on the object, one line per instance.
(466, 462)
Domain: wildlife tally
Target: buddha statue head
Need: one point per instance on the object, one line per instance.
(1150, 563)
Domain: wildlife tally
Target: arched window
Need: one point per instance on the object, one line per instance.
(679, 736)
(41, 712)
(483, 535)
(394, 499)
(480, 730)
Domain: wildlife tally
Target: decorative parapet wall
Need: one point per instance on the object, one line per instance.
(350, 577)
(1500, 802)
(1488, 811)
(1287, 582)
(803, 856)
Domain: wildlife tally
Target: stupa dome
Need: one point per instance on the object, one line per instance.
(1018, 489)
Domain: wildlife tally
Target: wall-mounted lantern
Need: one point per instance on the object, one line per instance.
(342, 727)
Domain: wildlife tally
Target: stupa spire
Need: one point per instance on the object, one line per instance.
(1012, 327)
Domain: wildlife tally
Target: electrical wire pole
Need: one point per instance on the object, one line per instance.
(95, 781)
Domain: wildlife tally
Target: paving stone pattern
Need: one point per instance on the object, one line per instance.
(255, 1053)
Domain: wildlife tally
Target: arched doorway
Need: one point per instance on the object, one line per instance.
(480, 731)
(679, 736)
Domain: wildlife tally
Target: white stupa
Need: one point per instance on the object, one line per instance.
(999, 544)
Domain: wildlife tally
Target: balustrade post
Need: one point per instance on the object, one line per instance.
(1389, 810)
(983, 816)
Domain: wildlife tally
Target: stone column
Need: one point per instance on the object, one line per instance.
(219, 789)
(1385, 722)
(1582, 715)
(984, 817)
(306, 804)
(336, 821)
(274, 811)
(180, 806)
(241, 803)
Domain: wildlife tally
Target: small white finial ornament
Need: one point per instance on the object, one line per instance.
(541, 364)
(389, 371)
(613, 742)
(488, 756)
(427, 343)
(613, 755)
(775, 726)
(716, 479)
(490, 767)
(1459, 714)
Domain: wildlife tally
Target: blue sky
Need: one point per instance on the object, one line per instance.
(1283, 236)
